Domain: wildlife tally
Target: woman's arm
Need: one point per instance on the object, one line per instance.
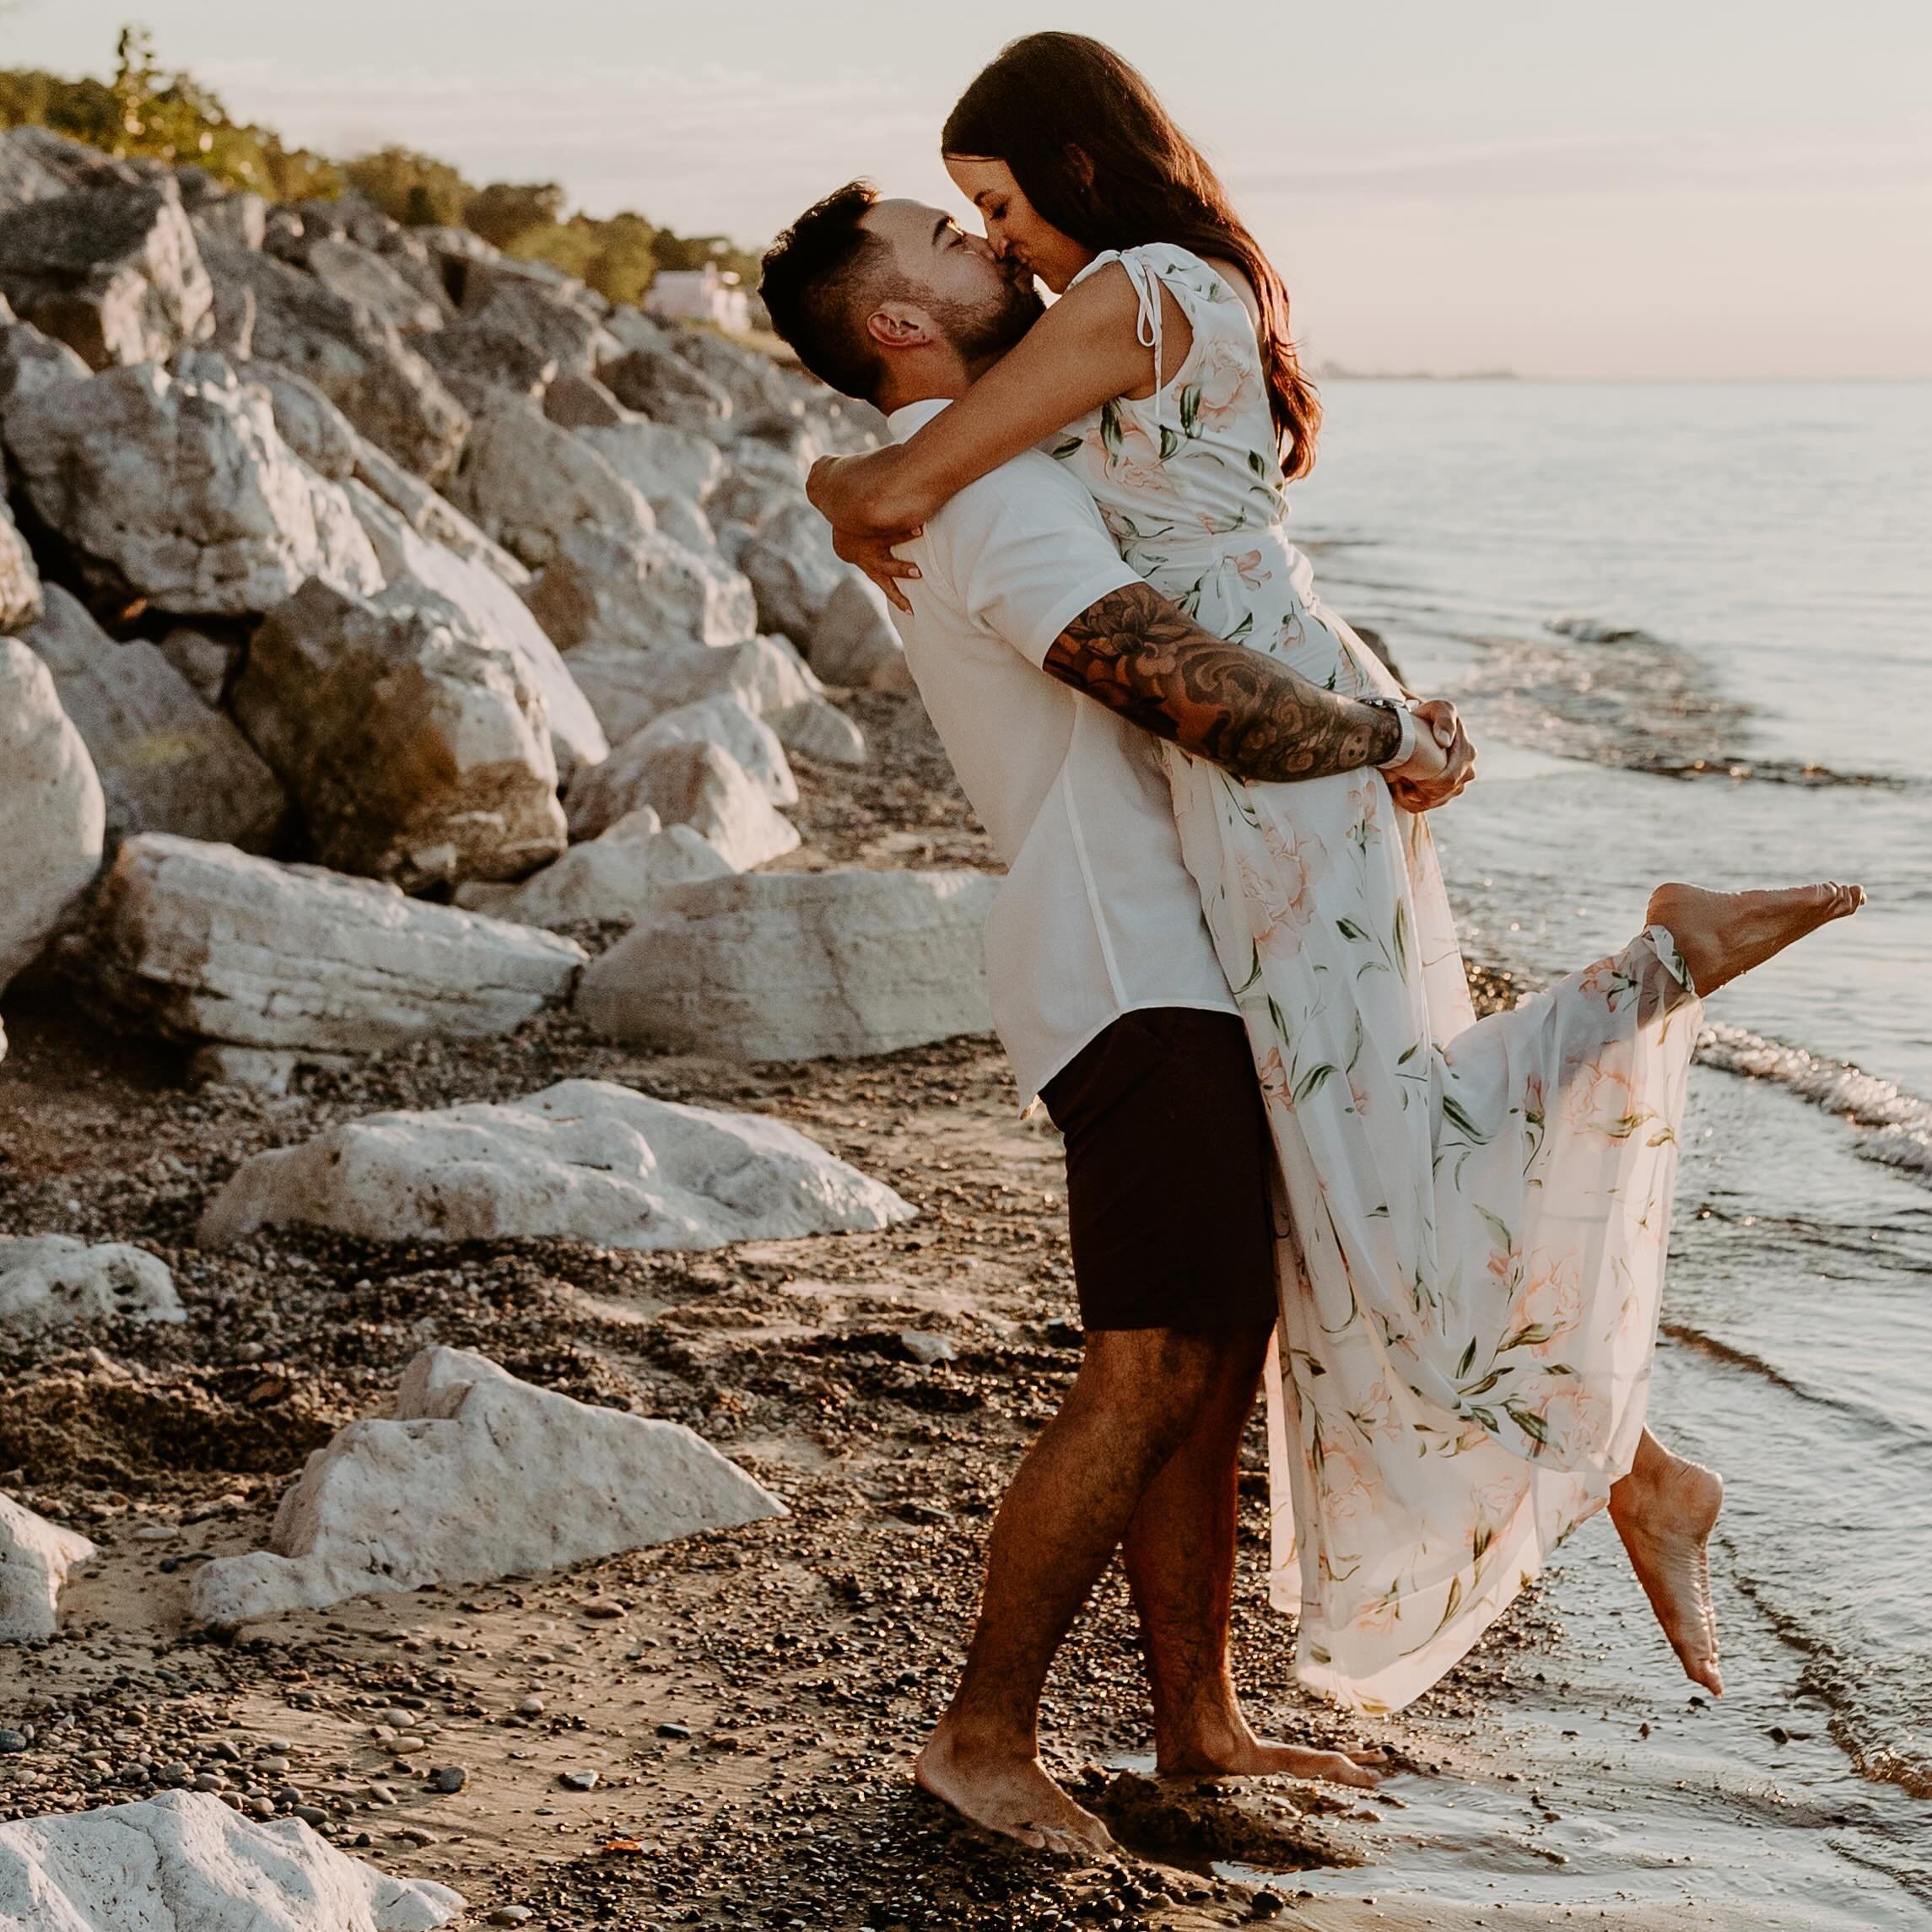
(1084, 351)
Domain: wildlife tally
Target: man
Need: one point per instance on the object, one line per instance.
(1049, 668)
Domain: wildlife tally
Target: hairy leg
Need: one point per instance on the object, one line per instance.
(1137, 1394)
(1179, 1557)
(1665, 1510)
(1721, 934)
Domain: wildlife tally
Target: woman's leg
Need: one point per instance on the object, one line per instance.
(1721, 934)
(1665, 1510)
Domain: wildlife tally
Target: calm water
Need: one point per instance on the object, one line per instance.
(1619, 582)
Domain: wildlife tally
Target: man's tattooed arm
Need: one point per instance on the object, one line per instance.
(1139, 655)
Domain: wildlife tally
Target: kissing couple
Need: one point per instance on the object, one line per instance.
(1224, 959)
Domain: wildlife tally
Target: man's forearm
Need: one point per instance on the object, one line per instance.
(1141, 656)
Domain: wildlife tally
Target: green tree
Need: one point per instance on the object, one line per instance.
(416, 190)
(506, 212)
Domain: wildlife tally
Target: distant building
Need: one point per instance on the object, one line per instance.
(706, 295)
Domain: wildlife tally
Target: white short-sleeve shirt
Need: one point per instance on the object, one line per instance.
(1098, 915)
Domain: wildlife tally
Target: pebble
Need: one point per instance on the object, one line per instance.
(156, 1532)
(577, 1780)
(673, 1731)
(928, 1350)
(511, 1915)
(449, 1778)
(380, 1794)
(13, 1741)
(530, 1707)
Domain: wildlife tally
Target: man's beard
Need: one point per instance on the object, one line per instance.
(984, 331)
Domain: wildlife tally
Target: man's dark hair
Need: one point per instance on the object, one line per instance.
(821, 279)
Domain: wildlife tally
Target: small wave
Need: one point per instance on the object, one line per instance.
(1595, 630)
(1896, 1126)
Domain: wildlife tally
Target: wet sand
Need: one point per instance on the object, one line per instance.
(750, 1702)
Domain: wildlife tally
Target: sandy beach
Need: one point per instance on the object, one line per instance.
(750, 1702)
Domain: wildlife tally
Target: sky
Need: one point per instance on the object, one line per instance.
(1690, 190)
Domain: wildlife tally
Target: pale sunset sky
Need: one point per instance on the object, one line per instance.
(1659, 188)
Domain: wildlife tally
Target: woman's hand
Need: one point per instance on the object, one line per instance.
(874, 556)
(1442, 764)
(841, 489)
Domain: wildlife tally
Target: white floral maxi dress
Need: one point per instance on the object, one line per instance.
(1475, 1213)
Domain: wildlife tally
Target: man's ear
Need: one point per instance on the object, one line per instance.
(899, 326)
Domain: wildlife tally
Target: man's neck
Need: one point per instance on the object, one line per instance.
(946, 378)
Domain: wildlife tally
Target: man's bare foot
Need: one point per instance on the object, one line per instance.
(1007, 1793)
(1721, 934)
(1224, 1747)
(1666, 1518)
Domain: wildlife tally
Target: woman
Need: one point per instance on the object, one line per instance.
(1475, 1214)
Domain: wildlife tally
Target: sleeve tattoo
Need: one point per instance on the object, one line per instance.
(1142, 657)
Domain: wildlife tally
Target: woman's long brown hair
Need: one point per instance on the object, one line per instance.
(1097, 154)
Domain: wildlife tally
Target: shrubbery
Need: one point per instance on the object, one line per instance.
(173, 118)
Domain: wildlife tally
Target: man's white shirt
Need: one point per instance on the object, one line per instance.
(1098, 915)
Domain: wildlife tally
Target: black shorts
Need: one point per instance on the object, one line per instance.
(1169, 1167)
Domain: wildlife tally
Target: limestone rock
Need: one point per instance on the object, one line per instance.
(793, 569)
(579, 401)
(365, 280)
(180, 492)
(52, 815)
(36, 1557)
(114, 272)
(308, 422)
(640, 589)
(498, 615)
(663, 462)
(602, 795)
(166, 762)
(530, 483)
(800, 965)
(183, 1861)
(555, 326)
(204, 661)
(485, 368)
(665, 388)
(853, 641)
(702, 786)
(618, 875)
(817, 729)
(202, 942)
(363, 366)
(754, 382)
(30, 362)
(20, 599)
(391, 1504)
(683, 520)
(417, 749)
(48, 1279)
(24, 177)
(434, 517)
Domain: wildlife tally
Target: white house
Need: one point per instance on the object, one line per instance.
(706, 295)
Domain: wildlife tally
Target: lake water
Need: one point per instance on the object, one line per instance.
(1691, 627)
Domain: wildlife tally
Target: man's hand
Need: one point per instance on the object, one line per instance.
(1444, 760)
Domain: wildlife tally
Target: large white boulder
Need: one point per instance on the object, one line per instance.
(666, 388)
(602, 795)
(49, 1279)
(641, 588)
(394, 1503)
(371, 285)
(434, 517)
(417, 749)
(853, 640)
(184, 1862)
(584, 1160)
(180, 491)
(662, 462)
(498, 615)
(618, 875)
(36, 1557)
(702, 786)
(800, 966)
(113, 272)
(166, 762)
(793, 569)
(204, 942)
(529, 483)
(52, 815)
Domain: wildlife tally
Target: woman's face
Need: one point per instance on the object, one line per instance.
(1015, 231)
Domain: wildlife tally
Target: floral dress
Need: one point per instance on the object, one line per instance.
(1473, 1214)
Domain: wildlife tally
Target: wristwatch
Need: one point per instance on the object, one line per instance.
(1404, 710)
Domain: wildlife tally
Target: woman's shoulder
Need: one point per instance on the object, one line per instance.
(1212, 279)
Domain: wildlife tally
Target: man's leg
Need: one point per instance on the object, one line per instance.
(1180, 1564)
(1139, 1393)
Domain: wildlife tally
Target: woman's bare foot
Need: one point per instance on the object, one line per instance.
(1008, 1792)
(1665, 1510)
(1225, 1746)
(1721, 934)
